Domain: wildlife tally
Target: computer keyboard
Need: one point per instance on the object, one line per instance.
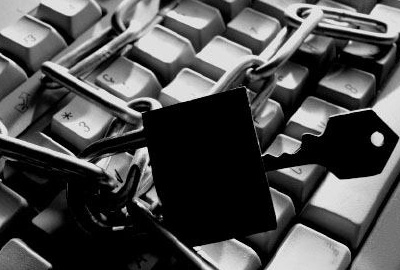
(323, 222)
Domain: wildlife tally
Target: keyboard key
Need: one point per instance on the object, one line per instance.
(298, 182)
(371, 58)
(316, 53)
(252, 29)
(151, 50)
(186, 86)
(274, 8)
(14, 10)
(268, 122)
(16, 255)
(196, 21)
(128, 80)
(360, 6)
(311, 117)
(230, 254)
(11, 75)
(31, 41)
(80, 123)
(348, 87)
(73, 17)
(228, 8)
(218, 56)
(35, 185)
(55, 216)
(266, 242)
(380, 250)
(291, 78)
(304, 248)
(12, 207)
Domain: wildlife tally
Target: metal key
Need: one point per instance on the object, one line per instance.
(354, 144)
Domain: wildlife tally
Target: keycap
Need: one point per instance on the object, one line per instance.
(274, 8)
(299, 181)
(151, 50)
(14, 10)
(55, 216)
(128, 80)
(196, 21)
(379, 251)
(360, 6)
(264, 243)
(31, 42)
(218, 56)
(16, 255)
(230, 254)
(72, 17)
(348, 87)
(371, 58)
(334, 4)
(228, 8)
(316, 53)
(291, 78)
(268, 121)
(37, 186)
(252, 29)
(311, 117)
(11, 75)
(305, 248)
(12, 207)
(186, 86)
(80, 123)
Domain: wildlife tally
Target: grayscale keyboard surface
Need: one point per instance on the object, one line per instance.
(323, 222)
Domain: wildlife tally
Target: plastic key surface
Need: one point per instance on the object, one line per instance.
(252, 29)
(31, 41)
(354, 144)
(307, 249)
(348, 87)
(196, 21)
(16, 255)
(80, 122)
(218, 56)
(128, 80)
(11, 75)
(380, 250)
(72, 16)
(230, 254)
(311, 117)
(164, 51)
(186, 86)
(297, 181)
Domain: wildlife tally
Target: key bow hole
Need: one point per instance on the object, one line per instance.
(377, 139)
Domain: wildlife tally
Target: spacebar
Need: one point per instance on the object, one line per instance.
(346, 208)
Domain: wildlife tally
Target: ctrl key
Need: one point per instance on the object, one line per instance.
(16, 255)
(305, 248)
